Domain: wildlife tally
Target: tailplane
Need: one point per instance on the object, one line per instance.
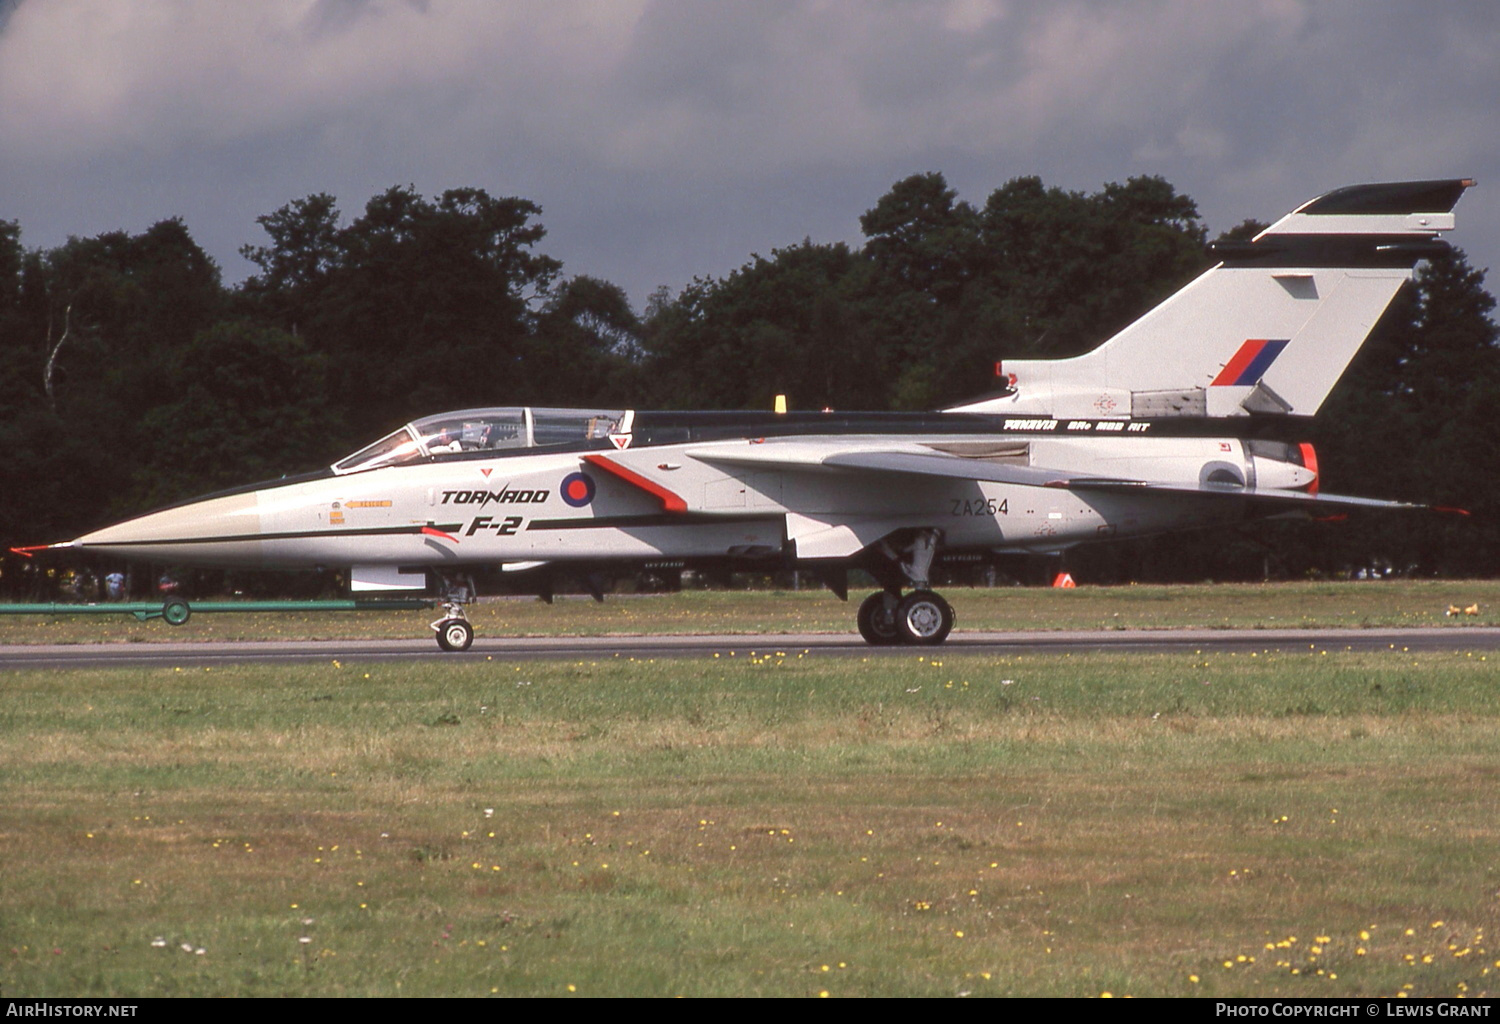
(1268, 331)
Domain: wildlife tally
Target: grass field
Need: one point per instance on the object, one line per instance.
(1243, 606)
(775, 824)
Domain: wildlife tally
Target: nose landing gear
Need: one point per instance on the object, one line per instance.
(454, 631)
(454, 634)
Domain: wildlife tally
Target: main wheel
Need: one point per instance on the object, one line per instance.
(455, 635)
(924, 618)
(876, 624)
(176, 611)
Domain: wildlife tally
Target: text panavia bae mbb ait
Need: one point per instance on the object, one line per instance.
(1109, 444)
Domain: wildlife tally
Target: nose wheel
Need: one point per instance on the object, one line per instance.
(454, 631)
(454, 634)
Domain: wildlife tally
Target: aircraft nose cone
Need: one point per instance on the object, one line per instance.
(215, 530)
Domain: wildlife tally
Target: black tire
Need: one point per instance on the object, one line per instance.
(176, 611)
(877, 625)
(455, 634)
(924, 619)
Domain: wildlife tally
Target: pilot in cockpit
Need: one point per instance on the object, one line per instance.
(444, 441)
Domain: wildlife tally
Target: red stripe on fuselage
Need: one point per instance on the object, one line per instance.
(670, 502)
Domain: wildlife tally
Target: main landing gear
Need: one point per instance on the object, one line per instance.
(921, 617)
(454, 631)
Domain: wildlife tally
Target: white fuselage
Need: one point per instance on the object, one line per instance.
(692, 501)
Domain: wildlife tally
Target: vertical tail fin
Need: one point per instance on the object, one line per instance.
(1268, 331)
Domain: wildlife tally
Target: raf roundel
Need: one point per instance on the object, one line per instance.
(577, 489)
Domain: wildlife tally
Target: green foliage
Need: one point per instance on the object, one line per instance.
(11, 257)
(304, 247)
(1411, 420)
(98, 324)
(248, 406)
(1077, 268)
(920, 237)
(419, 305)
(939, 291)
(584, 347)
(775, 326)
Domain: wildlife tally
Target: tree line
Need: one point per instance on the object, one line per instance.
(133, 376)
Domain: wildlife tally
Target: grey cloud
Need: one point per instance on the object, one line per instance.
(671, 138)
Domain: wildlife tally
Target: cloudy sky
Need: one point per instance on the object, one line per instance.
(671, 138)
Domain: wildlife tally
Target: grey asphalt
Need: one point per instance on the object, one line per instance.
(834, 645)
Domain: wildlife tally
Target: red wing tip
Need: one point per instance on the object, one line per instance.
(1451, 510)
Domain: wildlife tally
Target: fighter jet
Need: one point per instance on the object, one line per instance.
(1160, 428)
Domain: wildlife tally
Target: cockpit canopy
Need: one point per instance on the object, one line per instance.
(469, 431)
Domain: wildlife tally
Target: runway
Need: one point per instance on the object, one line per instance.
(832, 645)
